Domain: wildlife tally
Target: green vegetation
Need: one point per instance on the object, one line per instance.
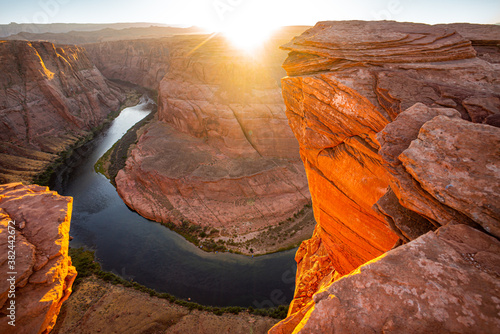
(44, 177)
(84, 261)
(205, 237)
(115, 158)
(279, 234)
(133, 98)
(99, 165)
(193, 233)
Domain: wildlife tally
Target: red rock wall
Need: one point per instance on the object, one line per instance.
(50, 96)
(44, 272)
(347, 82)
(228, 97)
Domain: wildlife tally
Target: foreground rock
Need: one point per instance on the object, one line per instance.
(44, 272)
(386, 116)
(50, 97)
(443, 282)
(99, 307)
(221, 153)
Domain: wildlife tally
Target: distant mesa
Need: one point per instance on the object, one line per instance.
(61, 28)
(103, 35)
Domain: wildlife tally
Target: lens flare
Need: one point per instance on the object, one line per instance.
(248, 37)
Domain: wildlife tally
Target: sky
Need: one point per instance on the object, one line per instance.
(224, 14)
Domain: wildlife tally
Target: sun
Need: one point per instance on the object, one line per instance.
(249, 37)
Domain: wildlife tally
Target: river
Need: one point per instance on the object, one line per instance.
(152, 255)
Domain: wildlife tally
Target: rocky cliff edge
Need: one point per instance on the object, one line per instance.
(397, 130)
(37, 257)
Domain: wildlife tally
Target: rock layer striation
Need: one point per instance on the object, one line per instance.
(142, 62)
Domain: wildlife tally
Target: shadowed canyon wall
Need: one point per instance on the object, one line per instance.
(396, 126)
(43, 275)
(50, 97)
(141, 62)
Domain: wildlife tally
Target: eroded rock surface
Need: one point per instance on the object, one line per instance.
(50, 97)
(142, 62)
(44, 272)
(383, 112)
(458, 163)
(447, 282)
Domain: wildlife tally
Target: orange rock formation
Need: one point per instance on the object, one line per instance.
(44, 272)
(371, 189)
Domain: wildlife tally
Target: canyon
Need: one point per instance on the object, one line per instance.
(220, 153)
(51, 97)
(391, 129)
(396, 126)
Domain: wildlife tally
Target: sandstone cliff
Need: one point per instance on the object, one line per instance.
(387, 116)
(443, 282)
(221, 153)
(44, 274)
(142, 62)
(50, 97)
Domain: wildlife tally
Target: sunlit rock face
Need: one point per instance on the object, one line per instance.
(50, 97)
(228, 97)
(443, 282)
(387, 117)
(221, 153)
(44, 274)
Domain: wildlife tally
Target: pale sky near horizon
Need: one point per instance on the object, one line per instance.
(222, 14)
